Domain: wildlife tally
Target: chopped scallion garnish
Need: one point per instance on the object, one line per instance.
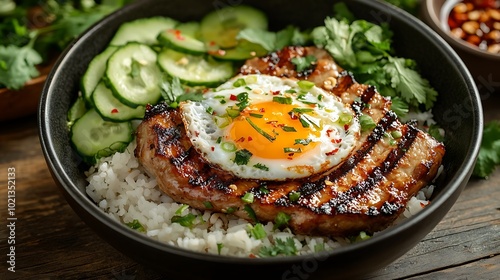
(260, 131)
(248, 197)
(281, 220)
(258, 231)
(282, 100)
(304, 142)
(259, 116)
(305, 85)
(261, 166)
(289, 129)
(228, 147)
(289, 150)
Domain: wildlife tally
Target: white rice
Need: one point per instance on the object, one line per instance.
(123, 190)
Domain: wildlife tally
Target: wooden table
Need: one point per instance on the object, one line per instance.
(52, 241)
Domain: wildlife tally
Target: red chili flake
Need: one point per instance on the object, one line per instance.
(346, 126)
(212, 148)
(252, 256)
(328, 132)
(290, 157)
(114, 111)
(249, 138)
(336, 141)
(423, 204)
(241, 139)
(293, 116)
(211, 43)
(273, 123)
(233, 97)
(332, 152)
(178, 35)
(262, 110)
(276, 92)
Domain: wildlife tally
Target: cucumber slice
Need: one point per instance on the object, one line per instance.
(133, 75)
(95, 72)
(222, 26)
(195, 70)
(93, 137)
(191, 28)
(245, 50)
(77, 110)
(181, 42)
(144, 30)
(111, 109)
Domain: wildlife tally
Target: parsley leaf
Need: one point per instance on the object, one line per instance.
(489, 153)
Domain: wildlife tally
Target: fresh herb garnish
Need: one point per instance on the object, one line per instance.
(286, 247)
(251, 214)
(489, 153)
(304, 142)
(261, 166)
(294, 196)
(135, 224)
(257, 231)
(304, 63)
(289, 129)
(260, 131)
(366, 50)
(366, 123)
(281, 220)
(242, 157)
(185, 221)
(289, 150)
(282, 99)
(247, 197)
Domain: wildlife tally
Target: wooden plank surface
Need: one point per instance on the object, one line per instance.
(52, 241)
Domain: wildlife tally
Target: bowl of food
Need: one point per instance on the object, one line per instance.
(249, 138)
(472, 28)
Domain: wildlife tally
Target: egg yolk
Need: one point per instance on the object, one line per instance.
(273, 130)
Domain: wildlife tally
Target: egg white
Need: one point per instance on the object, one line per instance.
(208, 136)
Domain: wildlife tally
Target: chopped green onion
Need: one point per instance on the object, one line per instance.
(135, 224)
(260, 131)
(290, 91)
(219, 140)
(258, 231)
(320, 97)
(231, 210)
(261, 166)
(233, 113)
(289, 129)
(304, 142)
(345, 118)
(305, 85)
(302, 110)
(219, 247)
(294, 196)
(239, 83)
(315, 122)
(259, 116)
(228, 147)
(282, 100)
(181, 209)
(292, 150)
(251, 79)
(242, 157)
(208, 204)
(222, 121)
(248, 197)
(396, 134)
(367, 123)
(264, 190)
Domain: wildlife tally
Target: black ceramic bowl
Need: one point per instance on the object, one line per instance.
(458, 110)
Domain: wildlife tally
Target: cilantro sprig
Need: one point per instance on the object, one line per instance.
(365, 49)
(24, 43)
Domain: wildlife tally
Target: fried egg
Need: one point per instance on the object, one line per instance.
(270, 128)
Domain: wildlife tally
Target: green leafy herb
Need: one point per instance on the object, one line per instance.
(25, 43)
(251, 214)
(304, 63)
(219, 247)
(135, 224)
(242, 157)
(208, 204)
(365, 49)
(261, 166)
(281, 220)
(257, 231)
(174, 93)
(292, 150)
(489, 153)
(289, 129)
(304, 142)
(185, 221)
(239, 83)
(273, 41)
(281, 247)
(294, 196)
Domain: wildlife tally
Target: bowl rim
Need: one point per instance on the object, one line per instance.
(435, 19)
(71, 191)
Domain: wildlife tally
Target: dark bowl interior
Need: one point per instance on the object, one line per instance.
(458, 110)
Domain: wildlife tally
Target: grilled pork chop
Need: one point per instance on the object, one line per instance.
(367, 192)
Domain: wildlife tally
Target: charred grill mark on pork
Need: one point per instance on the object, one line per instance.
(366, 192)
